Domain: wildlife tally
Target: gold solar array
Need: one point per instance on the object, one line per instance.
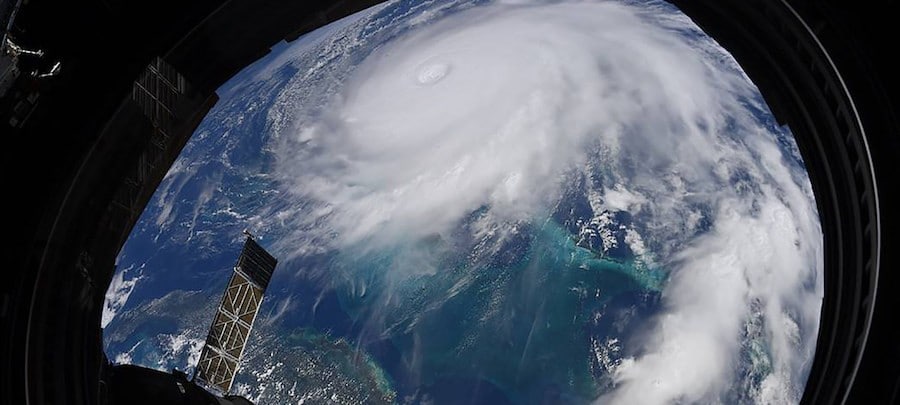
(234, 319)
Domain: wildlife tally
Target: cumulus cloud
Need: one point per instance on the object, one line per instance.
(692, 350)
(493, 108)
(117, 295)
(176, 347)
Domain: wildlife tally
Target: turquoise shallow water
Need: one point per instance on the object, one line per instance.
(522, 325)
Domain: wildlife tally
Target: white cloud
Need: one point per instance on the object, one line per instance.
(621, 199)
(525, 91)
(126, 357)
(636, 243)
(282, 308)
(493, 106)
(117, 295)
(692, 350)
(175, 347)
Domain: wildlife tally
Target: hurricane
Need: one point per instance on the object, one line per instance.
(584, 197)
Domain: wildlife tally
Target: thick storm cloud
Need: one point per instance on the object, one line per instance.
(496, 107)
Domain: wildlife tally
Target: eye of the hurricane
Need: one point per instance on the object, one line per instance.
(490, 202)
(431, 72)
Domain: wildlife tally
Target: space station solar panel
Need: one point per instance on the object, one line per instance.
(231, 326)
(256, 263)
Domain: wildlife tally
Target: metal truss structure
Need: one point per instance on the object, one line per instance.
(231, 326)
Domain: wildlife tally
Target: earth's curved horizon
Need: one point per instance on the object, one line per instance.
(489, 202)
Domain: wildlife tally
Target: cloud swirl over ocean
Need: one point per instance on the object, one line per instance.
(496, 108)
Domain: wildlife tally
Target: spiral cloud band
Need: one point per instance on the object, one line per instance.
(500, 105)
